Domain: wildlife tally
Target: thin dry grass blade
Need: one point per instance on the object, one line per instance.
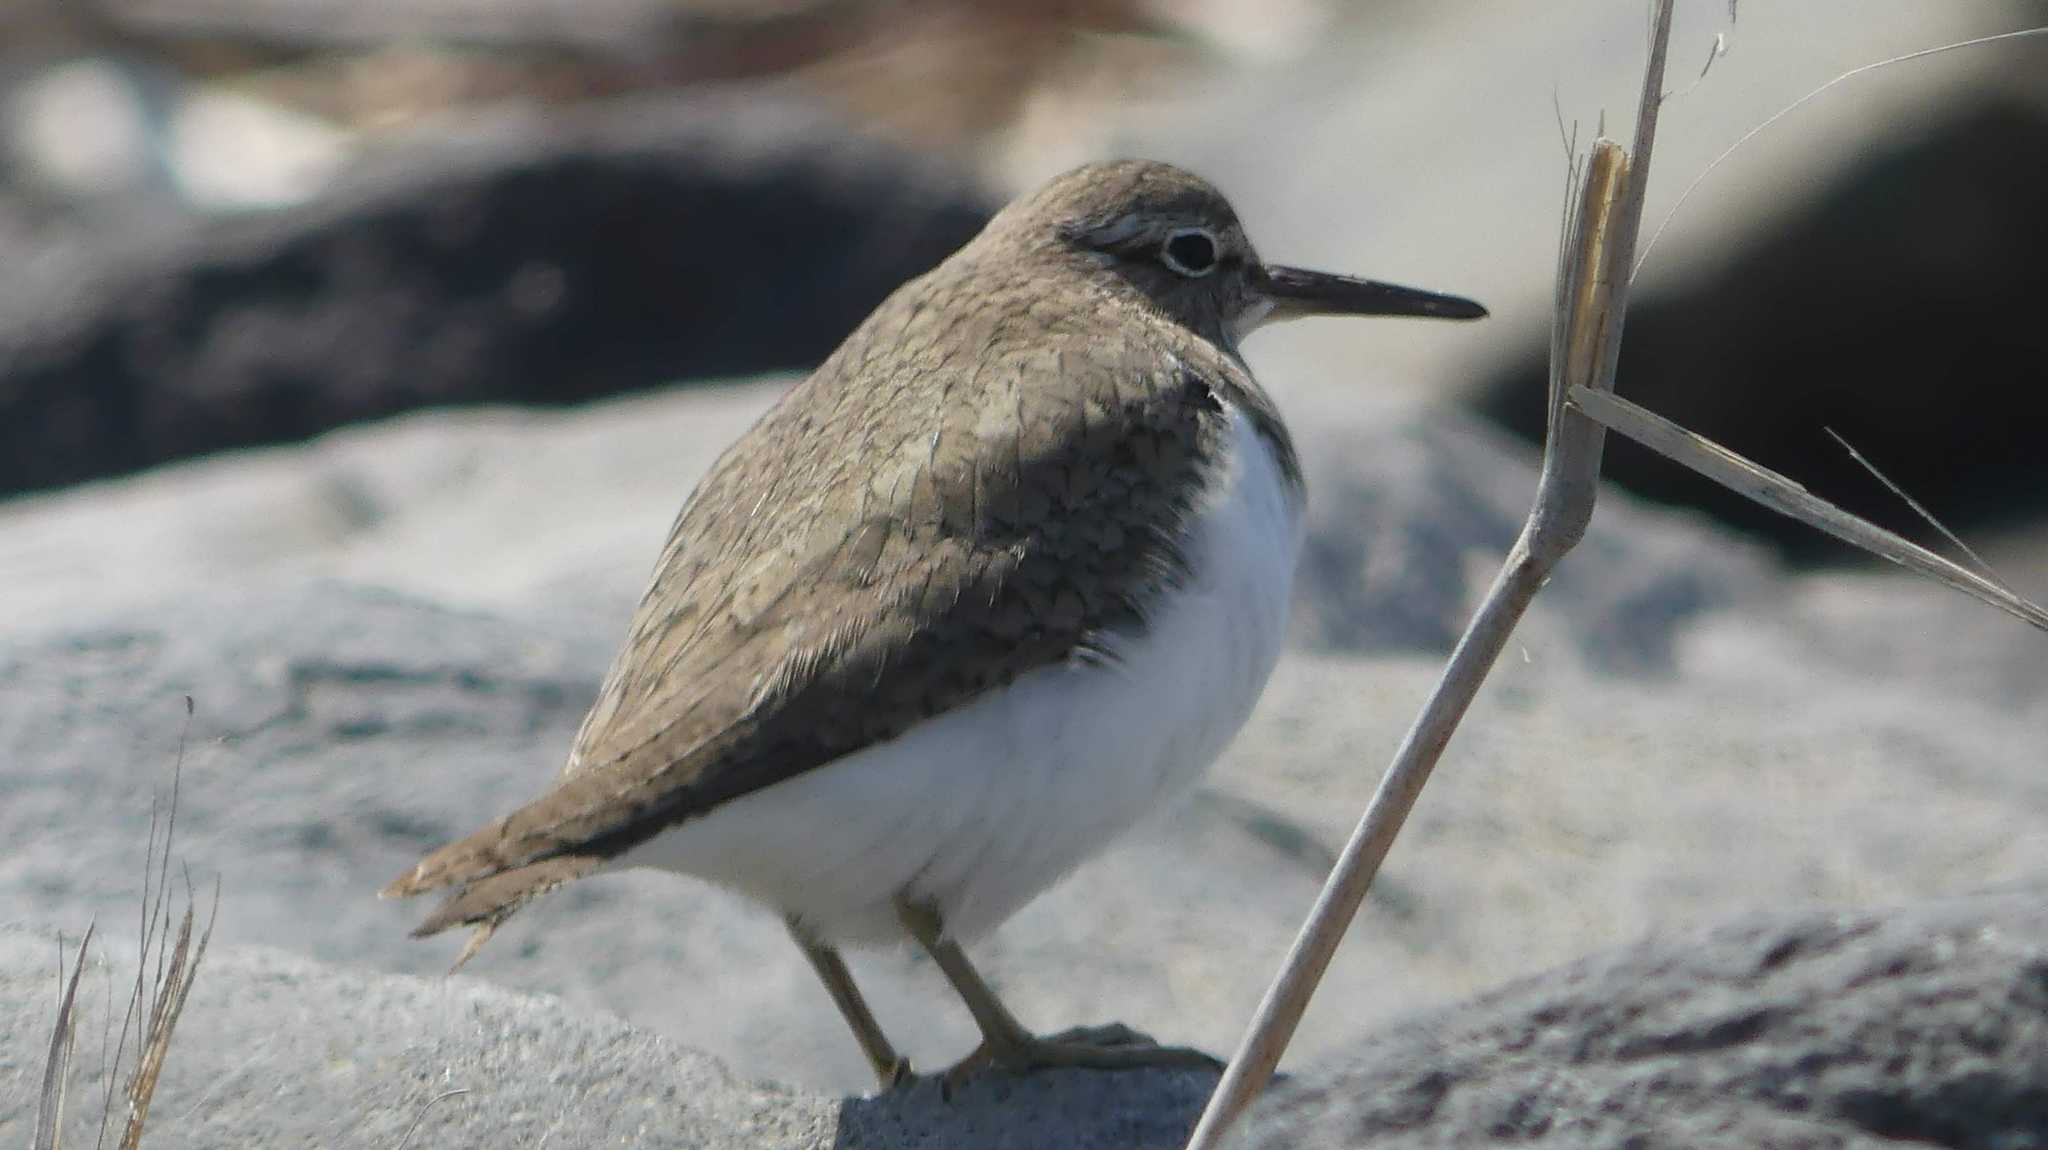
(57, 1066)
(155, 1004)
(180, 972)
(138, 995)
(156, 1037)
(1786, 497)
(153, 913)
(1918, 508)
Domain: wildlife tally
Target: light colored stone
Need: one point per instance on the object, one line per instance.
(1846, 739)
(275, 1051)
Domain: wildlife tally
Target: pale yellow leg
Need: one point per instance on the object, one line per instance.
(891, 1069)
(1005, 1043)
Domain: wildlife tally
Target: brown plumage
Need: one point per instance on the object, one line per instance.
(934, 567)
(919, 520)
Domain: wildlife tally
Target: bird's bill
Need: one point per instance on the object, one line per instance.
(1296, 292)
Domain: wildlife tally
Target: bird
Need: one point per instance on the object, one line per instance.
(1006, 572)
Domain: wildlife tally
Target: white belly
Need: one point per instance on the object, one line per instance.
(980, 809)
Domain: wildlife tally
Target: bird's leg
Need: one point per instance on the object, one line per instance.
(1000, 1030)
(1006, 1045)
(891, 1069)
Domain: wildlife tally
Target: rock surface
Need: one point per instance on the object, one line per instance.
(1919, 1026)
(392, 633)
(278, 1051)
(553, 513)
(1923, 1026)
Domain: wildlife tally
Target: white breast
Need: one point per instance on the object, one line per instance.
(980, 809)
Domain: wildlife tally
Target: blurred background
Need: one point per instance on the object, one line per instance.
(237, 222)
(356, 354)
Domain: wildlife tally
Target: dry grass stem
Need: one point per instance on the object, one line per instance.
(63, 1040)
(1784, 496)
(1595, 273)
(1592, 295)
(159, 1001)
(173, 987)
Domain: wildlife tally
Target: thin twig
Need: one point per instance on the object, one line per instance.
(421, 1116)
(1602, 247)
(1983, 568)
(1801, 102)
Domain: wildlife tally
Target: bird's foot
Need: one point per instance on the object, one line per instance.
(1111, 1047)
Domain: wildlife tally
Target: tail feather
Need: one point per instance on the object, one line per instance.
(464, 861)
(524, 855)
(565, 822)
(489, 901)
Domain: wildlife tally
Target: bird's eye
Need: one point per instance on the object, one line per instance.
(1191, 252)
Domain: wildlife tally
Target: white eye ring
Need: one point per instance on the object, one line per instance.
(1185, 263)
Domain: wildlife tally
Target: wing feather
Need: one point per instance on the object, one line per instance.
(898, 561)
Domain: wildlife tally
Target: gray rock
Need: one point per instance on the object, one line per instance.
(1407, 524)
(550, 512)
(392, 634)
(278, 1051)
(342, 731)
(392, 631)
(1924, 1026)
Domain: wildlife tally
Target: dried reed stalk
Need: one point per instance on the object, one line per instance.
(1592, 300)
(1596, 266)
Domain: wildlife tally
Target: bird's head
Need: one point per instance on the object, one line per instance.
(1173, 237)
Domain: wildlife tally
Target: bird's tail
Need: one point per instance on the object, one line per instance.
(486, 902)
(495, 871)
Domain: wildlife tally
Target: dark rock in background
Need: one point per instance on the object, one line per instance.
(1904, 309)
(614, 248)
(1925, 1026)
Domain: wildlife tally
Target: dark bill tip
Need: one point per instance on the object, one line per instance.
(1304, 292)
